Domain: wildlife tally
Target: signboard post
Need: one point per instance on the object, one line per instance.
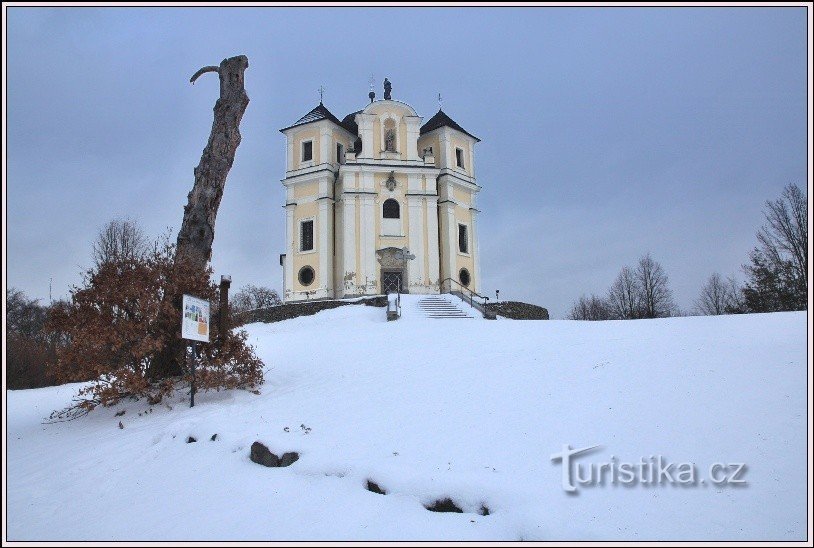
(194, 327)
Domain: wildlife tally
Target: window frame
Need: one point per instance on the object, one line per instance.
(466, 238)
(313, 274)
(302, 151)
(468, 275)
(459, 158)
(398, 209)
(302, 222)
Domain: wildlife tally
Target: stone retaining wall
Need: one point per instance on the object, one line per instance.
(294, 310)
(518, 311)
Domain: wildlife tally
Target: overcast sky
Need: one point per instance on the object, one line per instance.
(606, 132)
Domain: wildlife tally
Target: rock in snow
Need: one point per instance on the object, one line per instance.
(261, 455)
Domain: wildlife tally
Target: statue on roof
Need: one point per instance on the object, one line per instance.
(387, 88)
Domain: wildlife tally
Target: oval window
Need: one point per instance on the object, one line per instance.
(463, 276)
(306, 276)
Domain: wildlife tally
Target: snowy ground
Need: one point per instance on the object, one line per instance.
(428, 409)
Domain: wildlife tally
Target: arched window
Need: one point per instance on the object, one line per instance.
(390, 209)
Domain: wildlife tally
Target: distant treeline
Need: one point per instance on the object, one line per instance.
(776, 275)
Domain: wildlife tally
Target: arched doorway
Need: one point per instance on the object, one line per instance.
(393, 266)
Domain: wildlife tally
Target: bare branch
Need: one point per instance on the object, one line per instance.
(655, 299)
(119, 239)
(204, 70)
(624, 296)
(591, 308)
(718, 296)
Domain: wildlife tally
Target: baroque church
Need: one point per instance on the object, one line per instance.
(378, 202)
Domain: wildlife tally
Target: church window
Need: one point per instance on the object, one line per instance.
(306, 276)
(307, 151)
(307, 235)
(464, 277)
(459, 157)
(463, 239)
(340, 153)
(390, 209)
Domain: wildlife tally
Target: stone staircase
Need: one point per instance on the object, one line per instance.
(440, 308)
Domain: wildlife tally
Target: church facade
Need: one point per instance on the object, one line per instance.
(379, 202)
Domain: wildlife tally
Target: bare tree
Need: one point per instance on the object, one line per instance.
(30, 350)
(591, 308)
(736, 305)
(785, 237)
(656, 299)
(624, 296)
(252, 297)
(119, 239)
(718, 296)
(778, 272)
(24, 316)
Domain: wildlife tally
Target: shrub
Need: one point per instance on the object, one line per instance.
(123, 328)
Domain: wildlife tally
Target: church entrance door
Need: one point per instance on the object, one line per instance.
(391, 281)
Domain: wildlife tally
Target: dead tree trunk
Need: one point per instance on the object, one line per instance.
(194, 244)
(198, 229)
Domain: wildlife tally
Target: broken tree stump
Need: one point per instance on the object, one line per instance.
(198, 228)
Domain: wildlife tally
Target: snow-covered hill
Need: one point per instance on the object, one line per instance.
(466, 409)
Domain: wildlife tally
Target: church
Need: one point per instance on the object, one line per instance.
(379, 202)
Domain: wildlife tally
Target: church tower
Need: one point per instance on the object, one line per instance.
(378, 202)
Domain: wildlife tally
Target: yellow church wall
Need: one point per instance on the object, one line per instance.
(311, 134)
(378, 146)
(463, 145)
(399, 111)
(305, 211)
(304, 190)
(401, 183)
(465, 260)
(468, 263)
(375, 108)
(398, 194)
(462, 196)
(403, 141)
(382, 107)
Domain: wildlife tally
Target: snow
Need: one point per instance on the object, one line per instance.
(428, 409)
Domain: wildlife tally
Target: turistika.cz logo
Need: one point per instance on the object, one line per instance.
(650, 471)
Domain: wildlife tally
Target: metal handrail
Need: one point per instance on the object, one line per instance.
(471, 293)
(398, 299)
